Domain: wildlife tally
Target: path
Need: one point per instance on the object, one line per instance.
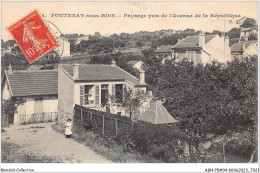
(47, 142)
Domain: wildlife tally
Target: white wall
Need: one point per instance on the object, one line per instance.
(65, 92)
(50, 104)
(251, 50)
(217, 49)
(6, 92)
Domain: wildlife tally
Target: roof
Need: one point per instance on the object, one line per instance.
(248, 29)
(33, 83)
(157, 114)
(100, 72)
(133, 62)
(164, 48)
(42, 67)
(233, 41)
(192, 42)
(237, 47)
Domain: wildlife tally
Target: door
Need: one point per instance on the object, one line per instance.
(104, 94)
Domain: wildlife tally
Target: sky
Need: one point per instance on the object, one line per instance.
(13, 11)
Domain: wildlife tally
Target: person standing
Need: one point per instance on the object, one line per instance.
(68, 128)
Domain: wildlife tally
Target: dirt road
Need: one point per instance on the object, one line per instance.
(41, 139)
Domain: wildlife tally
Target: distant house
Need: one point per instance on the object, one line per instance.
(91, 85)
(79, 39)
(245, 33)
(136, 64)
(202, 49)
(167, 33)
(39, 90)
(64, 48)
(164, 52)
(243, 49)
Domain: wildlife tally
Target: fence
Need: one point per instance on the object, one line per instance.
(38, 118)
(104, 123)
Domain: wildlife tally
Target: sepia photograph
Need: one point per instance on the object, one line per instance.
(130, 82)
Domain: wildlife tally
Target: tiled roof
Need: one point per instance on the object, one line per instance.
(33, 83)
(98, 72)
(191, 42)
(239, 46)
(233, 41)
(164, 49)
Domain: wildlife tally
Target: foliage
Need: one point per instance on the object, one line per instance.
(132, 100)
(252, 36)
(49, 58)
(9, 107)
(18, 61)
(223, 97)
(248, 23)
(106, 147)
(164, 142)
(234, 33)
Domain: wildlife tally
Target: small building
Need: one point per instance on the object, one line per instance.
(244, 48)
(202, 49)
(79, 39)
(91, 86)
(245, 33)
(39, 90)
(164, 52)
(136, 64)
(64, 48)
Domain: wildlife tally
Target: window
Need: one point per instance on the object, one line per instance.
(119, 93)
(191, 55)
(89, 94)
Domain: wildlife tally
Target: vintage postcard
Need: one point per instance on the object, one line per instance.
(129, 82)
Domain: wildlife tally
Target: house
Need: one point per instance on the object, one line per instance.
(245, 33)
(39, 90)
(136, 64)
(79, 39)
(202, 49)
(167, 33)
(91, 85)
(164, 52)
(64, 48)
(243, 49)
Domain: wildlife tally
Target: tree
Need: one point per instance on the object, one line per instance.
(234, 33)
(139, 44)
(248, 23)
(9, 107)
(132, 100)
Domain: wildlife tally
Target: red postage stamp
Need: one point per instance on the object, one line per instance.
(33, 36)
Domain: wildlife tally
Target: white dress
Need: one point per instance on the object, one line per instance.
(68, 128)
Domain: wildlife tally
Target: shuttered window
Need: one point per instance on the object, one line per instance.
(97, 95)
(113, 89)
(81, 94)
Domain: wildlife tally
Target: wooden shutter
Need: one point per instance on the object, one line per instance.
(113, 90)
(81, 94)
(97, 95)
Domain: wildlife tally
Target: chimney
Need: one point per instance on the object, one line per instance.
(226, 41)
(10, 69)
(113, 63)
(201, 39)
(75, 71)
(142, 76)
(243, 45)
